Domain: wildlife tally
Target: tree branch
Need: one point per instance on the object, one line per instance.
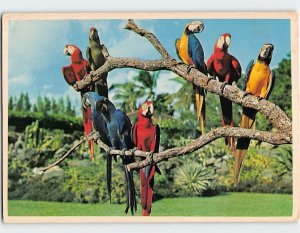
(272, 138)
(271, 111)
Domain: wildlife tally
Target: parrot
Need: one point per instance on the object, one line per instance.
(89, 99)
(228, 70)
(76, 71)
(146, 137)
(119, 133)
(190, 52)
(259, 80)
(96, 59)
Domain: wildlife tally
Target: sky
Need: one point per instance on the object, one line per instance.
(36, 48)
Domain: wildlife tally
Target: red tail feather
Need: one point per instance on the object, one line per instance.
(88, 127)
(146, 186)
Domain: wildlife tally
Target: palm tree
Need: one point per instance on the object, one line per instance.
(129, 94)
(183, 98)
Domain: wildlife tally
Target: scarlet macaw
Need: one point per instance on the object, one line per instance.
(228, 70)
(190, 52)
(259, 81)
(146, 137)
(96, 59)
(119, 134)
(75, 72)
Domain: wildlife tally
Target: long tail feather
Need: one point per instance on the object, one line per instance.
(226, 106)
(146, 186)
(200, 106)
(88, 127)
(247, 121)
(108, 174)
(130, 191)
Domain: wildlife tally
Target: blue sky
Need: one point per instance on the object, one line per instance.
(36, 48)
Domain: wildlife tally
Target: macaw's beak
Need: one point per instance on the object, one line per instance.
(149, 113)
(225, 46)
(85, 102)
(101, 106)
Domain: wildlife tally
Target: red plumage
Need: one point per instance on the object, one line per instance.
(76, 71)
(228, 69)
(146, 137)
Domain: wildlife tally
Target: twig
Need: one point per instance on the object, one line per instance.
(67, 154)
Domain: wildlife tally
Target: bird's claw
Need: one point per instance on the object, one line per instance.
(123, 153)
(246, 94)
(223, 86)
(151, 153)
(133, 150)
(260, 98)
(209, 79)
(189, 69)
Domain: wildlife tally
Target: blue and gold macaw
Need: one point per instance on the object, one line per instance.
(259, 81)
(190, 52)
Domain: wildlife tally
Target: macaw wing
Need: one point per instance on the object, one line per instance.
(157, 138)
(177, 46)
(196, 52)
(247, 75)
(69, 75)
(124, 127)
(134, 134)
(89, 56)
(210, 65)
(237, 67)
(271, 84)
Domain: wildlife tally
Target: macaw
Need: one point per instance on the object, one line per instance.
(190, 52)
(89, 100)
(119, 133)
(79, 68)
(259, 80)
(96, 59)
(228, 70)
(146, 137)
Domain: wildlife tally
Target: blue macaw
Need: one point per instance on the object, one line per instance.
(190, 51)
(89, 99)
(118, 127)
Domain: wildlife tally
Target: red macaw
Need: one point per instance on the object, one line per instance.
(146, 137)
(259, 81)
(190, 51)
(228, 70)
(75, 72)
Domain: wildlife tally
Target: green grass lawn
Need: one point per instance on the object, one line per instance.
(230, 204)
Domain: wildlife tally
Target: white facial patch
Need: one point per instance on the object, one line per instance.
(227, 40)
(263, 51)
(220, 42)
(196, 26)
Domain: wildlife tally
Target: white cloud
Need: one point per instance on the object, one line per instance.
(31, 42)
(22, 80)
(132, 45)
(47, 87)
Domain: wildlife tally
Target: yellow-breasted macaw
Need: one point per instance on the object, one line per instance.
(190, 52)
(259, 80)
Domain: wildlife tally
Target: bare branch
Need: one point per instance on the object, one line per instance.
(67, 154)
(272, 138)
(131, 25)
(272, 112)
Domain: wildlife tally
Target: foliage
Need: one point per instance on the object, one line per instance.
(43, 105)
(193, 178)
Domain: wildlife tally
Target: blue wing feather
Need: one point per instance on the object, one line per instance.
(247, 75)
(195, 51)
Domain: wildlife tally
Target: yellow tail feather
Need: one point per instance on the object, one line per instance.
(239, 158)
(200, 99)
